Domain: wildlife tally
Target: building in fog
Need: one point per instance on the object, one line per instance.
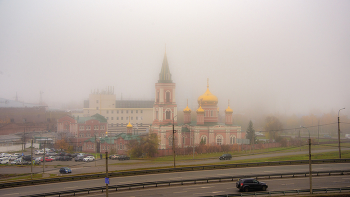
(206, 129)
(78, 129)
(119, 112)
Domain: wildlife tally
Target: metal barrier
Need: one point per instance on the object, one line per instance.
(165, 170)
(194, 181)
(269, 193)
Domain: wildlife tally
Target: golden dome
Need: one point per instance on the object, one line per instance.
(208, 98)
(200, 109)
(187, 109)
(229, 110)
(129, 125)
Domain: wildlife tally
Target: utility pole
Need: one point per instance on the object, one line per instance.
(318, 131)
(107, 179)
(44, 157)
(310, 168)
(174, 141)
(31, 161)
(339, 133)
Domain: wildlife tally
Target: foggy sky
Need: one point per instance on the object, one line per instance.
(271, 56)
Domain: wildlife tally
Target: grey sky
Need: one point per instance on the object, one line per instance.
(272, 56)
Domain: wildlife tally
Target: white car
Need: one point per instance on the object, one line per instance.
(4, 160)
(89, 158)
(4, 155)
(40, 152)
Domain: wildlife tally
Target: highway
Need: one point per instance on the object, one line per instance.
(230, 188)
(178, 176)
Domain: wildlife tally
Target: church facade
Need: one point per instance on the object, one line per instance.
(205, 130)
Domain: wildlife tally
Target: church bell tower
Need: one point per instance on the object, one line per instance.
(164, 108)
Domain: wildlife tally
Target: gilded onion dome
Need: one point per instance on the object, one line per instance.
(229, 110)
(200, 109)
(129, 125)
(187, 109)
(208, 98)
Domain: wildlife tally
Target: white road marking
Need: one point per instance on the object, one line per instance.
(10, 194)
(206, 187)
(217, 192)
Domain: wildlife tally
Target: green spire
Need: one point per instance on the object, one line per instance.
(164, 75)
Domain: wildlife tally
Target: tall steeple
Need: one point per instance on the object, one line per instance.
(164, 75)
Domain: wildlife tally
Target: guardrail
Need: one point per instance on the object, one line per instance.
(165, 170)
(269, 193)
(191, 181)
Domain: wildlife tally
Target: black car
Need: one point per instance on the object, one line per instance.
(250, 184)
(66, 158)
(123, 157)
(225, 157)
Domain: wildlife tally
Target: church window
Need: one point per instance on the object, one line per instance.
(121, 118)
(137, 111)
(107, 118)
(137, 117)
(127, 111)
(96, 101)
(157, 115)
(232, 140)
(117, 111)
(157, 97)
(131, 111)
(132, 118)
(111, 118)
(203, 140)
(219, 140)
(141, 111)
(183, 140)
(168, 115)
(117, 118)
(112, 111)
(107, 111)
(127, 118)
(121, 111)
(168, 97)
(211, 113)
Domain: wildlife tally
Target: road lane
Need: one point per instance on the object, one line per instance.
(171, 176)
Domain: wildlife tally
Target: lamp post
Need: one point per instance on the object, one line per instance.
(339, 134)
(174, 138)
(310, 168)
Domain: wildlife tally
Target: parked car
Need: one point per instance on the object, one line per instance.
(114, 157)
(250, 184)
(225, 157)
(4, 160)
(79, 158)
(17, 161)
(53, 158)
(4, 155)
(89, 158)
(27, 157)
(47, 159)
(39, 152)
(65, 170)
(66, 158)
(17, 155)
(123, 157)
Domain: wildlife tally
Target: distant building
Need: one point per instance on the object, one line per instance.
(78, 129)
(206, 130)
(118, 112)
(117, 144)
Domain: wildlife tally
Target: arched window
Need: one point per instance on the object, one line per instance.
(232, 139)
(171, 141)
(203, 140)
(168, 115)
(219, 140)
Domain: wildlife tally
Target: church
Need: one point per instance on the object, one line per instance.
(205, 130)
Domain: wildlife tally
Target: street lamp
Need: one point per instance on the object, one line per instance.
(310, 168)
(339, 134)
(174, 138)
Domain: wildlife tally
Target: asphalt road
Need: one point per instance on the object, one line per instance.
(229, 187)
(174, 176)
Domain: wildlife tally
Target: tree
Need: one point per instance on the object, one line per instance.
(251, 133)
(145, 146)
(272, 126)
